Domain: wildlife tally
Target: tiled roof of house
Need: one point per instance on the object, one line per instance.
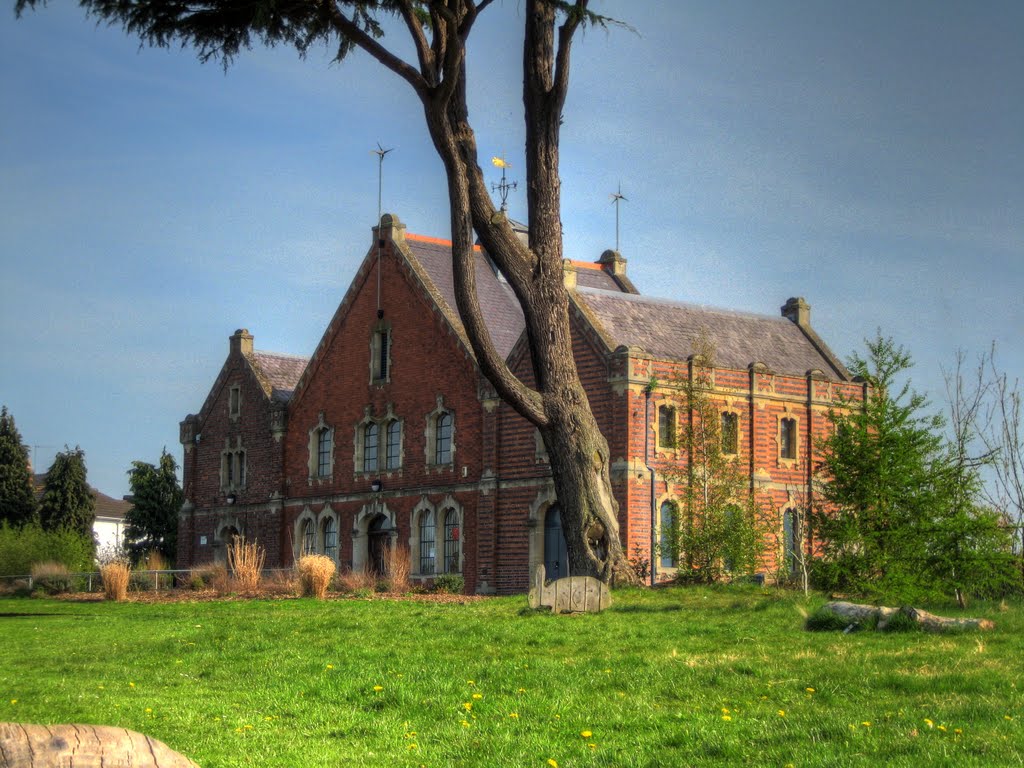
(669, 329)
(497, 301)
(278, 373)
(105, 506)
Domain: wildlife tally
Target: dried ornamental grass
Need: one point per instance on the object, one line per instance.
(115, 575)
(354, 581)
(246, 561)
(52, 577)
(397, 567)
(315, 574)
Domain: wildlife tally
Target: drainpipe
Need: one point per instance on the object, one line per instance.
(647, 462)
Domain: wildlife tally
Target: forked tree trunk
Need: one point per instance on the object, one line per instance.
(83, 746)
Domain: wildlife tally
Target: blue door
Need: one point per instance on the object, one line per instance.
(556, 554)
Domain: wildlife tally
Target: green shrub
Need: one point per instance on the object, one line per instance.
(21, 548)
(449, 583)
(824, 620)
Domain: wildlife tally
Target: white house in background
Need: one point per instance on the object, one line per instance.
(108, 529)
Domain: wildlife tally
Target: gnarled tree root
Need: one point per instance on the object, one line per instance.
(83, 746)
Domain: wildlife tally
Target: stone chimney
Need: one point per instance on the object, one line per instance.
(241, 342)
(613, 263)
(797, 310)
(390, 229)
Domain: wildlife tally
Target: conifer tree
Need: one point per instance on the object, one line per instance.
(67, 501)
(17, 498)
(152, 522)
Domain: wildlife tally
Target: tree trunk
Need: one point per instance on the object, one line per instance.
(83, 746)
(858, 613)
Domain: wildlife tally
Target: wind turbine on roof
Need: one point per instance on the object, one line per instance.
(618, 197)
(380, 152)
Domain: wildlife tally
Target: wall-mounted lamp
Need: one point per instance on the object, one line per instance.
(376, 486)
(231, 499)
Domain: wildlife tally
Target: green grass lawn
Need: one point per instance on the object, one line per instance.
(672, 678)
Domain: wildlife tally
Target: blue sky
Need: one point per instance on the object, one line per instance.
(868, 156)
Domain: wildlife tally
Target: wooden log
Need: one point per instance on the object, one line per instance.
(83, 746)
(882, 615)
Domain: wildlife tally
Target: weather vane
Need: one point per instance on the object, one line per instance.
(503, 187)
(618, 197)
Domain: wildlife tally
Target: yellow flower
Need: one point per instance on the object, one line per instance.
(478, 695)
(514, 715)
(1007, 717)
(247, 727)
(149, 710)
(782, 713)
(958, 731)
(552, 762)
(467, 705)
(14, 701)
(378, 688)
(929, 723)
(413, 746)
(866, 723)
(470, 682)
(465, 724)
(131, 685)
(592, 746)
(586, 734)
(521, 690)
(727, 717)
(941, 728)
(330, 666)
(809, 690)
(725, 710)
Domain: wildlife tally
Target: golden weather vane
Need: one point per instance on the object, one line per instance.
(504, 186)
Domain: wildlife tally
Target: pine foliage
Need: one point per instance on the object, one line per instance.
(67, 501)
(152, 522)
(18, 504)
(900, 516)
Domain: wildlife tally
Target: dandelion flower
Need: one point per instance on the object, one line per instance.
(725, 710)
(478, 695)
(330, 666)
(465, 723)
(14, 701)
(866, 723)
(149, 710)
(809, 690)
(586, 734)
(521, 690)
(782, 713)
(413, 746)
(929, 723)
(471, 682)
(378, 688)
(958, 731)
(467, 705)
(592, 746)
(941, 728)
(552, 762)
(514, 715)
(727, 717)
(131, 685)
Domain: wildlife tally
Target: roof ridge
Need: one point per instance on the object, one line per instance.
(434, 240)
(645, 299)
(279, 354)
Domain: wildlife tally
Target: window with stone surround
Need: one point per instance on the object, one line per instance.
(380, 353)
(393, 445)
(232, 466)
(730, 433)
(452, 540)
(440, 436)
(666, 534)
(787, 438)
(235, 402)
(666, 427)
(308, 537)
(371, 435)
(427, 543)
(329, 536)
(321, 450)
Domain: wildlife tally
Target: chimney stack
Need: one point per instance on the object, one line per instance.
(798, 311)
(613, 263)
(241, 342)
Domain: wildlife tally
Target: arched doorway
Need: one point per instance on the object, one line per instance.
(556, 553)
(227, 534)
(378, 535)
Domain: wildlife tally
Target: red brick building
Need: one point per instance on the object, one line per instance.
(390, 434)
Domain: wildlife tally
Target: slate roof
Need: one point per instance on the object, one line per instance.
(590, 275)
(278, 373)
(497, 301)
(668, 329)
